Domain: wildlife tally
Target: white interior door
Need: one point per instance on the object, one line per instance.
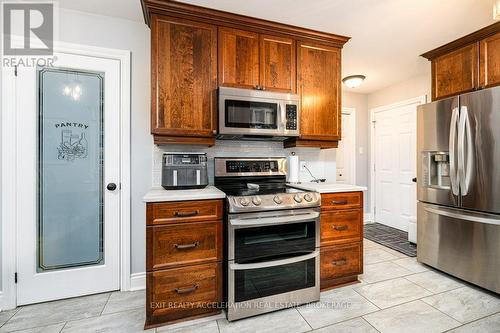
(395, 164)
(68, 125)
(346, 151)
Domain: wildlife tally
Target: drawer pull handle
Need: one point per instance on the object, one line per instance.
(339, 202)
(186, 290)
(340, 262)
(186, 246)
(187, 214)
(340, 227)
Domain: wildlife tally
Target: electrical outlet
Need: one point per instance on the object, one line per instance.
(302, 166)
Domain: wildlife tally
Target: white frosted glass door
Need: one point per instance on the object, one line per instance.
(70, 168)
(68, 142)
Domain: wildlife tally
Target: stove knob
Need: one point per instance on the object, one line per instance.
(244, 202)
(308, 197)
(297, 198)
(277, 200)
(256, 201)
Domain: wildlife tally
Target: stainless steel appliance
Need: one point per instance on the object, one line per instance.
(184, 171)
(273, 237)
(254, 114)
(458, 216)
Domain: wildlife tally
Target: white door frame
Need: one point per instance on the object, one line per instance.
(412, 101)
(10, 201)
(352, 113)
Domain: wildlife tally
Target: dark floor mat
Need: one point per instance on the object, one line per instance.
(391, 237)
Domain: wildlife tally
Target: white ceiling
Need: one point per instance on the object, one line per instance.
(387, 35)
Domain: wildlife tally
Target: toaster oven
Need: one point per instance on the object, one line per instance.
(184, 171)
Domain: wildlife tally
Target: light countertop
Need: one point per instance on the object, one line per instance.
(159, 194)
(328, 187)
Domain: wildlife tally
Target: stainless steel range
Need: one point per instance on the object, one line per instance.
(273, 237)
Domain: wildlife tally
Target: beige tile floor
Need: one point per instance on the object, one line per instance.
(396, 294)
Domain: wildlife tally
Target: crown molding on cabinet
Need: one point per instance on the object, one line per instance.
(222, 18)
(463, 41)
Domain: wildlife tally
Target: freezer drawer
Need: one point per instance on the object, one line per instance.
(462, 243)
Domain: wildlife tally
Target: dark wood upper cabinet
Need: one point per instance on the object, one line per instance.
(455, 72)
(238, 58)
(277, 64)
(183, 80)
(489, 61)
(318, 71)
(466, 64)
(195, 49)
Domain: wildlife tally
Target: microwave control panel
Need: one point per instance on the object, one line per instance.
(291, 117)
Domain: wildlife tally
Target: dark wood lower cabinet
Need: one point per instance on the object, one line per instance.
(183, 293)
(341, 264)
(341, 238)
(184, 243)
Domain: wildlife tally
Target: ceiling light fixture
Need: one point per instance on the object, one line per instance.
(496, 10)
(353, 81)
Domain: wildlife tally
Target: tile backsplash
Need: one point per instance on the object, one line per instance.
(321, 162)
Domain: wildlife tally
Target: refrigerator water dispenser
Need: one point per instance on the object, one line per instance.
(436, 169)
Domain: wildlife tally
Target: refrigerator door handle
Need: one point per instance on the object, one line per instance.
(479, 218)
(454, 175)
(465, 151)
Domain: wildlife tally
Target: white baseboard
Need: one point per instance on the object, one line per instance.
(138, 281)
(368, 218)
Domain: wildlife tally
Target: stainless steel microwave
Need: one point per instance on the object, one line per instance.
(245, 113)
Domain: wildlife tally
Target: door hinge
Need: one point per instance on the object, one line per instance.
(15, 277)
(15, 70)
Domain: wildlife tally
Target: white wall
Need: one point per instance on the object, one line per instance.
(359, 102)
(408, 89)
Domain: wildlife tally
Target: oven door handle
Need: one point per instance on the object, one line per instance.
(262, 221)
(241, 267)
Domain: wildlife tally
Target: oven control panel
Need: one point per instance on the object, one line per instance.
(252, 166)
(291, 117)
(278, 201)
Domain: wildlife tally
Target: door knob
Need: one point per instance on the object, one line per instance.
(111, 186)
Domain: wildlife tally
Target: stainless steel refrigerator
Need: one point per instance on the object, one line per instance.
(458, 184)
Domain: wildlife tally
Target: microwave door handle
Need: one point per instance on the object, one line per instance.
(273, 263)
(452, 139)
(262, 221)
(282, 118)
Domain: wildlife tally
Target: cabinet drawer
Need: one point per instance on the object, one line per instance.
(183, 244)
(183, 211)
(340, 261)
(178, 293)
(341, 226)
(346, 200)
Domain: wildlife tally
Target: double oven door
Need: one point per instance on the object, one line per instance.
(273, 261)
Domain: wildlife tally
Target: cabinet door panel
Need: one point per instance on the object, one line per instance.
(489, 61)
(184, 77)
(455, 73)
(319, 87)
(277, 63)
(238, 58)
